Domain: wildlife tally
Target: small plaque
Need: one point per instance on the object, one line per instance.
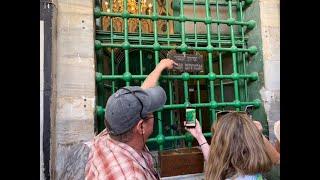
(187, 62)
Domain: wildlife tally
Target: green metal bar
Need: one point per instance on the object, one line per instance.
(220, 55)
(167, 138)
(168, 24)
(172, 138)
(209, 47)
(162, 40)
(101, 93)
(252, 76)
(208, 134)
(158, 47)
(201, 38)
(171, 102)
(256, 103)
(112, 70)
(234, 62)
(176, 13)
(112, 50)
(100, 111)
(172, 36)
(186, 91)
(101, 33)
(196, 45)
(169, 73)
(239, 14)
(199, 101)
(240, 81)
(195, 24)
(225, 83)
(247, 3)
(98, 7)
(160, 134)
(173, 18)
(217, 104)
(243, 54)
(189, 144)
(184, 47)
(204, 3)
(239, 55)
(141, 64)
(126, 44)
(140, 42)
(189, 41)
(245, 81)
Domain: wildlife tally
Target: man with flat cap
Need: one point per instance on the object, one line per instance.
(119, 152)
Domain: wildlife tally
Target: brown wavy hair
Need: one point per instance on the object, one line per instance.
(237, 148)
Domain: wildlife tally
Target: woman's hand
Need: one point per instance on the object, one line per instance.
(195, 131)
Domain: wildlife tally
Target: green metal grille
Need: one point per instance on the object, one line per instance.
(130, 56)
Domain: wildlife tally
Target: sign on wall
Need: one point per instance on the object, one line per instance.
(186, 62)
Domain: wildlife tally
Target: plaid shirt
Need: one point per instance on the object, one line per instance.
(114, 160)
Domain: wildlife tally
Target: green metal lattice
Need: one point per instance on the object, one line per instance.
(133, 70)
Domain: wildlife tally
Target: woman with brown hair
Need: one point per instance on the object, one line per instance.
(238, 149)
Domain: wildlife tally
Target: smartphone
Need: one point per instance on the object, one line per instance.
(190, 117)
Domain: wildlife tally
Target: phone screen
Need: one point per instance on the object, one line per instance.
(190, 117)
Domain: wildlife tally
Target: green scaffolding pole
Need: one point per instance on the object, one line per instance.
(126, 44)
(112, 50)
(220, 54)
(234, 58)
(196, 45)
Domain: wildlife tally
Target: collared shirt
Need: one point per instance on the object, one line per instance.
(113, 160)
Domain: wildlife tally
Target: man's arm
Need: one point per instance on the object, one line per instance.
(153, 77)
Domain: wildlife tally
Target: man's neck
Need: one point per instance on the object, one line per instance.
(137, 144)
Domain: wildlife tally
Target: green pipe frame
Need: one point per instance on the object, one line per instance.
(215, 44)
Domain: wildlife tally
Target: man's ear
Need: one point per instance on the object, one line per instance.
(139, 127)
